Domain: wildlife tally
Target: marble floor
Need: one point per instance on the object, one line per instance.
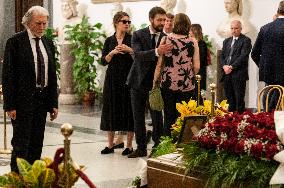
(105, 171)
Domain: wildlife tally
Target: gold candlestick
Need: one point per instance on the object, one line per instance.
(198, 78)
(67, 130)
(213, 98)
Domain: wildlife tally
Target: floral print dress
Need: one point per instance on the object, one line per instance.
(178, 74)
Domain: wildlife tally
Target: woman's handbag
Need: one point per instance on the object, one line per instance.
(156, 99)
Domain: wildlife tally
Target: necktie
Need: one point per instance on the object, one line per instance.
(231, 50)
(153, 40)
(40, 65)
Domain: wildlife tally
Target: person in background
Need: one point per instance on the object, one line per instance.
(29, 85)
(268, 53)
(117, 112)
(145, 43)
(234, 60)
(177, 68)
(196, 32)
(168, 27)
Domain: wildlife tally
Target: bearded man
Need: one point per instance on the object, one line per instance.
(145, 44)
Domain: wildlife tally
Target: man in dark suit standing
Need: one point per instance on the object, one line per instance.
(29, 85)
(268, 52)
(234, 60)
(140, 79)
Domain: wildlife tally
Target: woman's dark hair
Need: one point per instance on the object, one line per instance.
(117, 17)
(182, 24)
(197, 31)
(156, 10)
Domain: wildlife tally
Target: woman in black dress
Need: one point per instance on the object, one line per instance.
(116, 112)
(196, 32)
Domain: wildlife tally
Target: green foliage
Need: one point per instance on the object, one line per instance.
(228, 170)
(136, 182)
(166, 146)
(11, 180)
(87, 41)
(208, 43)
(50, 34)
(23, 166)
(37, 175)
(63, 178)
(222, 169)
(143, 25)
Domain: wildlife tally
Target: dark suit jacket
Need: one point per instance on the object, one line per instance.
(144, 57)
(268, 52)
(240, 56)
(19, 77)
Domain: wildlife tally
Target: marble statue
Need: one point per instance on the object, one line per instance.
(70, 15)
(234, 9)
(181, 6)
(168, 5)
(117, 7)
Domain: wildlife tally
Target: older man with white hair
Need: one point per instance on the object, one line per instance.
(29, 85)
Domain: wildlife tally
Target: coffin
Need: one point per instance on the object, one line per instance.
(167, 172)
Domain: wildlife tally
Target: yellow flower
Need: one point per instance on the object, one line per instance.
(182, 109)
(224, 104)
(219, 113)
(192, 104)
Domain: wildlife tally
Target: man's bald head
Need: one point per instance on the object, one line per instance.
(236, 28)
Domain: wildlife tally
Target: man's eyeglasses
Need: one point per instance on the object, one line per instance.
(125, 21)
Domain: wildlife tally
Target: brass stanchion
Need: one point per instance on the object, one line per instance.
(213, 94)
(198, 78)
(67, 130)
(5, 150)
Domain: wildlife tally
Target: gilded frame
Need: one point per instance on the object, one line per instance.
(113, 1)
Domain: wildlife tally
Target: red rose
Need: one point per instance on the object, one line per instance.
(239, 148)
(270, 150)
(256, 150)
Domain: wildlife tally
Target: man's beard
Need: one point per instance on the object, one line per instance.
(158, 28)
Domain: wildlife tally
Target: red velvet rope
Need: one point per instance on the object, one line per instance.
(58, 158)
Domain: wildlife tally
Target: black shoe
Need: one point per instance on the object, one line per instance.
(127, 151)
(137, 153)
(107, 150)
(116, 146)
(149, 136)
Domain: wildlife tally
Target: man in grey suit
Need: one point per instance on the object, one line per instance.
(145, 44)
(234, 60)
(268, 52)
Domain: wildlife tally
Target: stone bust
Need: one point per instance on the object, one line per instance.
(168, 5)
(234, 9)
(70, 15)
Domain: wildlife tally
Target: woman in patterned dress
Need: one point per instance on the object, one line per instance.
(177, 69)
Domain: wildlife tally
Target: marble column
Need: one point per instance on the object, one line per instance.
(7, 26)
(67, 94)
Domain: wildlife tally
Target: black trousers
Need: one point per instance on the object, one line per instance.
(28, 132)
(235, 93)
(139, 97)
(170, 112)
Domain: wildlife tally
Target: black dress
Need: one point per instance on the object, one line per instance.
(203, 63)
(116, 112)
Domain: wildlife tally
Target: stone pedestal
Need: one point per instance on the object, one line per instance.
(67, 94)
